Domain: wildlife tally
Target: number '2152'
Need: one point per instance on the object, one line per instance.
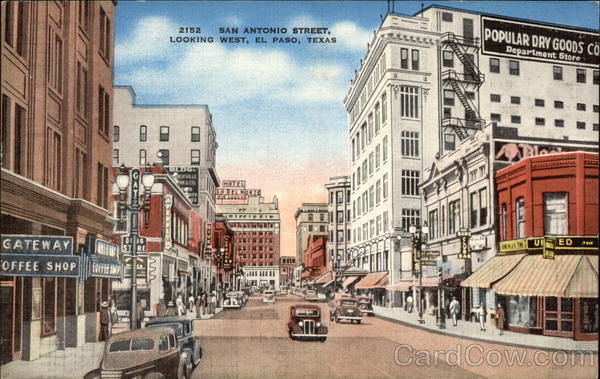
(189, 30)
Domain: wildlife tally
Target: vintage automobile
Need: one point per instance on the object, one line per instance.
(284, 291)
(311, 295)
(365, 303)
(142, 353)
(233, 300)
(305, 323)
(268, 296)
(345, 308)
(184, 331)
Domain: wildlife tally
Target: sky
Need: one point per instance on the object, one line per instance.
(277, 107)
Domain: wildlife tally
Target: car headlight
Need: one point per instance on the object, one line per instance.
(318, 324)
(300, 323)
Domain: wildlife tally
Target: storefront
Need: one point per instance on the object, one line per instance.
(373, 285)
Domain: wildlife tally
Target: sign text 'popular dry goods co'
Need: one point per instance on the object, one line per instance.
(539, 42)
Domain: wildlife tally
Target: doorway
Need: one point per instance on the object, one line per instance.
(558, 316)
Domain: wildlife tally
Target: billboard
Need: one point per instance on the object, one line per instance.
(516, 39)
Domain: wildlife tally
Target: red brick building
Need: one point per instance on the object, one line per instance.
(315, 257)
(547, 211)
(223, 252)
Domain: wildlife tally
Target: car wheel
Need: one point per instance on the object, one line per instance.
(337, 320)
(358, 321)
(94, 374)
(290, 333)
(181, 368)
(154, 375)
(189, 367)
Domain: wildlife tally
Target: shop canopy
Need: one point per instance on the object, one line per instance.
(373, 280)
(563, 276)
(325, 278)
(493, 270)
(432, 281)
(349, 281)
(401, 286)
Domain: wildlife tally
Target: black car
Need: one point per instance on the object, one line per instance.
(184, 329)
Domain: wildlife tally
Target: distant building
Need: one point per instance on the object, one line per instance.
(338, 191)
(262, 277)
(311, 219)
(314, 257)
(286, 270)
(222, 241)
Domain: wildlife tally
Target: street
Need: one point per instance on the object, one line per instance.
(253, 343)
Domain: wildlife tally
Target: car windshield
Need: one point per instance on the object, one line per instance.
(307, 312)
(348, 302)
(134, 345)
(365, 301)
(120, 346)
(177, 328)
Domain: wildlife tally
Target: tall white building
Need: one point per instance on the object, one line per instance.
(429, 81)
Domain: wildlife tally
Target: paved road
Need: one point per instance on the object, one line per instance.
(253, 343)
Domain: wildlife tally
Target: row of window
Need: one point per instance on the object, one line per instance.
(368, 89)
(163, 154)
(496, 98)
(370, 128)
(311, 217)
(163, 135)
(313, 228)
(260, 273)
(339, 197)
(557, 71)
(339, 217)
(541, 121)
(339, 236)
(256, 256)
(371, 229)
(371, 198)
(266, 225)
(369, 166)
(254, 240)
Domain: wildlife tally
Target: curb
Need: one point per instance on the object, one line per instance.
(437, 331)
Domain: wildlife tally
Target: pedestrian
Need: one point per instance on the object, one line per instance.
(104, 321)
(500, 318)
(213, 302)
(409, 304)
(481, 316)
(204, 302)
(139, 314)
(180, 306)
(454, 309)
(171, 309)
(198, 306)
(191, 303)
(161, 309)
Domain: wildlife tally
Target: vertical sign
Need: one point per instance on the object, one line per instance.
(167, 221)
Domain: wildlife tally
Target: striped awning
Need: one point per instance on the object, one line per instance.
(349, 281)
(493, 270)
(594, 261)
(401, 286)
(326, 277)
(563, 276)
(371, 280)
(382, 283)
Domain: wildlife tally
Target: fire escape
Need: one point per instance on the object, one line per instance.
(472, 78)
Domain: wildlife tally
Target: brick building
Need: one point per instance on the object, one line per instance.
(315, 255)
(311, 219)
(286, 270)
(57, 62)
(222, 241)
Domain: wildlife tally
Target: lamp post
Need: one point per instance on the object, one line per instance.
(419, 238)
(129, 186)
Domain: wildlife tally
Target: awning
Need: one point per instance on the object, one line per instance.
(371, 280)
(326, 277)
(383, 282)
(328, 283)
(594, 261)
(492, 271)
(349, 281)
(563, 276)
(427, 282)
(402, 286)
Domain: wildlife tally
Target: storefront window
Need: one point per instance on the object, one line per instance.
(589, 315)
(49, 296)
(555, 214)
(521, 311)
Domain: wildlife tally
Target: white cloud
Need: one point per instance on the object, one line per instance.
(232, 21)
(149, 39)
(304, 21)
(351, 36)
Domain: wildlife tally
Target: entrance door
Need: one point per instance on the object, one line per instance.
(558, 316)
(6, 332)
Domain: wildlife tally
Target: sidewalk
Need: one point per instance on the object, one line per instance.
(471, 330)
(73, 362)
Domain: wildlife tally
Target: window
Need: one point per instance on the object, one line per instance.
(595, 108)
(143, 133)
(102, 186)
(364, 170)
(377, 156)
(539, 102)
(377, 118)
(448, 97)
(363, 136)
(580, 75)
(513, 67)
(479, 208)
(339, 217)
(358, 177)
(410, 217)
(555, 214)
(370, 130)
(83, 15)
(595, 127)
(115, 157)
(143, 160)
(515, 100)
(495, 98)
(404, 59)
(163, 154)
(520, 218)
(81, 103)
(557, 73)
(410, 144)
(371, 163)
(503, 221)
(49, 306)
(164, 133)
(383, 107)
(447, 17)
(559, 123)
(495, 65)
(116, 133)
(449, 142)
(410, 182)
(539, 121)
(103, 111)
(470, 95)
(378, 191)
(339, 197)
(195, 134)
(453, 216)
(340, 236)
(409, 102)
(515, 119)
(433, 224)
(54, 61)
(310, 217)
(105, 35)
(330, 197)
(596, 77)
(378, 225)
(195, 157)
(448, 58)
(371, 197)
(17, 8)
(559, 104)
(385, 148)
(580, 125)
(580, 107)
(53, 175)
(385, 186)
(415, 59)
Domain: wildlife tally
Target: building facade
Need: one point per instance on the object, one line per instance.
(261, 277)
(222, 241)
(338, 193)
(286, 271)
(315, 256)
(311, 219)
(256, 228)
(57, 61)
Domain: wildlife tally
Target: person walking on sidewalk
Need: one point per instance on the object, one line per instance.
(204, 302)
(191, 303)
(454, 309)
(171, 311)
(213, 303)
(500, 319)
(481, 316)
(199, 306)
(104, 322)
(409, 304)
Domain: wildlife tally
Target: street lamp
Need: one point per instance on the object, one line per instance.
(128, 182)
(419, 238)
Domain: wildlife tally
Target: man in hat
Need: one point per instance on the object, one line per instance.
(171, 309)
(104, 321)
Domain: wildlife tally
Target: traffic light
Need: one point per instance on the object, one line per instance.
(439, 273)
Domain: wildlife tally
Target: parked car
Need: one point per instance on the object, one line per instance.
(365, 303)
(184, 331)
(305, 323)
(232, 300)
(345, 308)
(311, 295)
(284, 291)
(268, 296)
(142, 353)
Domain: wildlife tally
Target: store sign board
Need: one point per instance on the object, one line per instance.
(142, 266)
(103, 248)
(187, 177)
(25, 244)
(561, 244)
(102, 267)
(40, 265)
(528, 41)
(513, 151)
